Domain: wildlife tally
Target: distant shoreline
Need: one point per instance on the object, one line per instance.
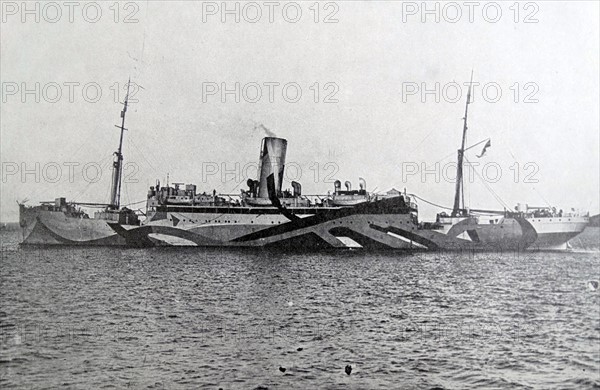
(594, 221)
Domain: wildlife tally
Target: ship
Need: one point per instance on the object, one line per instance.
(60, 222)
(266, 216)
(535, 228)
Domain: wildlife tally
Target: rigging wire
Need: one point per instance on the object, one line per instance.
(133, 145)
(134, 203)
(542, 196)
(422, 141)
(431, 203)
(77, 174)
(104, 166)
(490, 189)
(127, 192)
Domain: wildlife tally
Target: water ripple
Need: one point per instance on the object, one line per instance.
(212, 318)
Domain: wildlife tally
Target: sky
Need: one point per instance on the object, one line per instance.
(359, 89)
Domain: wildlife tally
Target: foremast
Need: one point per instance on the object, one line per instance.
(115, 193)
(459, 191)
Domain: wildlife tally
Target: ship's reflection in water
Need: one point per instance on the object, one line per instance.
(211, 318)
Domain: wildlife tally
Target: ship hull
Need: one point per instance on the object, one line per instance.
(302, 228)
(518, 233)
(384, 224)
(554, 233)
(45, 227)
(495, 232)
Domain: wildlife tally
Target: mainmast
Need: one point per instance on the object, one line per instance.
(456, 210)
(115, 193)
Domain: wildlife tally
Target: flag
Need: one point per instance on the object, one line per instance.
(487, 145)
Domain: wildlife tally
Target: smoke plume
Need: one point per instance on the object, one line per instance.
(267, 132)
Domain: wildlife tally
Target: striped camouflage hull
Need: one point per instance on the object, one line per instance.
(385, 224)
(43, 227)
